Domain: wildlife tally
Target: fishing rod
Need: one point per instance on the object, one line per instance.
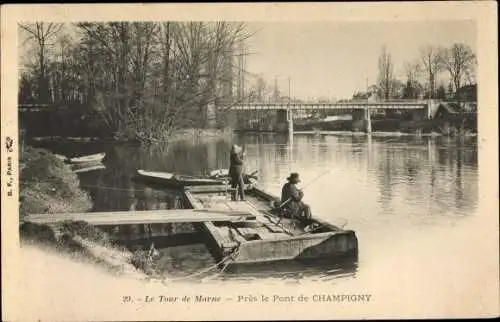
(290, 199)
(311, 182)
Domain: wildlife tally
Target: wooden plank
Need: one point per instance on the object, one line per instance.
(144, 212)
(140, 217)
(213, 188)
(207, 189)
(247, 232)
(274, 228)
(140, 221)
(223, 211)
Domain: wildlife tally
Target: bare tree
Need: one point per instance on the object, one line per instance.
(143, 79)
(42, 34)
(385, 74)
(459, 60)
(429, 57)
(412, 72)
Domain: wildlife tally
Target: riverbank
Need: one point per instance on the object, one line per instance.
(181, 135)
(381, 134)
(445, 127)
(47, 185)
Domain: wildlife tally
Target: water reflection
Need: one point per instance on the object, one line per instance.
(290, 270)
(380, 184)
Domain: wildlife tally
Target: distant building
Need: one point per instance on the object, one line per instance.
(454, 110)
(373, 97)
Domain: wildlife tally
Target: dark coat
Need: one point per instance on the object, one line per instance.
(236, 165)
(295, 205)
(290, 191)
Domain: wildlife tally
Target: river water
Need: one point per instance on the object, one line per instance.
(401, 194)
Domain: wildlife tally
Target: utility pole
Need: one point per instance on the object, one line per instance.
(289, 92)
(275, 89)
(241, 68)
(243, 62)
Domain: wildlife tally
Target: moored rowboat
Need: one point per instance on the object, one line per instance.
(98, 157)
(175, 180)
(267, 238)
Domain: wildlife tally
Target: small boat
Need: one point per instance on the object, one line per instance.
(98, 157)
(79, 168)
(176, 180)
(269, 237)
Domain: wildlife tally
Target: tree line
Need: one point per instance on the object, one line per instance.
(144, 80)
(421, 76)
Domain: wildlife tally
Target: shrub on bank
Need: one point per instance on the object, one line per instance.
(47, 185)
(142, 260)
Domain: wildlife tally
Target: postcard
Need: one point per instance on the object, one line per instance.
(249, 161)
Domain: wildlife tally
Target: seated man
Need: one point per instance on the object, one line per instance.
(291, 200)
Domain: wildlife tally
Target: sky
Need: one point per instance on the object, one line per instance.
(328, 59)
(334, 59)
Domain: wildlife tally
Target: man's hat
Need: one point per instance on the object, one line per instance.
(236, 148)
(294, 176)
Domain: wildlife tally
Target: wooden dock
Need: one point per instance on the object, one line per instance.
(142, 217)
(248, 231)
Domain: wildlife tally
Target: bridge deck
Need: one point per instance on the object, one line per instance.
(331, 106)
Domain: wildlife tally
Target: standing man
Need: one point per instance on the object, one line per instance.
(291, 199)
(236, 172)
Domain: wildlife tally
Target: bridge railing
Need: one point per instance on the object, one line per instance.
(336, 105)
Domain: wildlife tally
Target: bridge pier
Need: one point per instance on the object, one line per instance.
(361, 120)
(431, 108)
(284, 121)
(290, 122)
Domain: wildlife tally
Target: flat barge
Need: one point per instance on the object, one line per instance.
(268, 237)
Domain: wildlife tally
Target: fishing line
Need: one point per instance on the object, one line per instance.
(103, 187)
(311, 182)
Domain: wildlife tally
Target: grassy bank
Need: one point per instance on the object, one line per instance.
(47, 185)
